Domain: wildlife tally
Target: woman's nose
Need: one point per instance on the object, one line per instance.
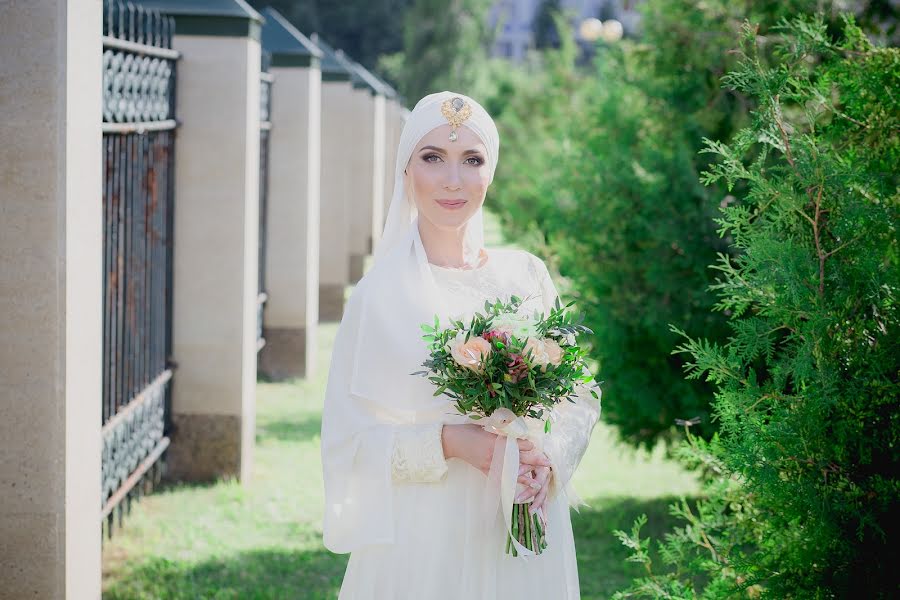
(453, 177)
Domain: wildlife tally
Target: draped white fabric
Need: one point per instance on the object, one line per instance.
(434, 543)
(380, 334)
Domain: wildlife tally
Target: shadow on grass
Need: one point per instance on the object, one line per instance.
(253, 575)
(601, 557)
(289, 431)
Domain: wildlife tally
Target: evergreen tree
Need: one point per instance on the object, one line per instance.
(599, 170)
(802, 479)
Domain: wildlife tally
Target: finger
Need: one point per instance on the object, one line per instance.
(525, 469)
(535, 458)
(525, 445)
(539, 498)
(542, 476)
(528, 481)
(526, 494)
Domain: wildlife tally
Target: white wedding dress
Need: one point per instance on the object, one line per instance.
(442, 549)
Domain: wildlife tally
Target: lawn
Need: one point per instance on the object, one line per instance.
(262, 539)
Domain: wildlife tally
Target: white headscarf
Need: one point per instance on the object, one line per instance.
(370, 389)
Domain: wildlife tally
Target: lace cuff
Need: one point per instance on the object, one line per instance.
(418, 454)
(573, 422)
(570, 433)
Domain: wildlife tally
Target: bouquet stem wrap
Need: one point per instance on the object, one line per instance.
(503, 480)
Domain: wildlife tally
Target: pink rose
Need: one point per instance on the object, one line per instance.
(496, 334)
(470, 353)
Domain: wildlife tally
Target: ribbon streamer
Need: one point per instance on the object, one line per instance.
(503, 477)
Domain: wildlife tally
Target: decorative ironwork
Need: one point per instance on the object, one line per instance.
(131, 437)
(265, 125)
(138, 64)
(138, 207)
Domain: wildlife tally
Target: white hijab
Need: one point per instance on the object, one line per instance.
(370, 389)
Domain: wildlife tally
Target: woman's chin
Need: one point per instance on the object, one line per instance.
(448, 219)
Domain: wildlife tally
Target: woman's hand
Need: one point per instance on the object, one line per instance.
(537, 466)
(471, 443)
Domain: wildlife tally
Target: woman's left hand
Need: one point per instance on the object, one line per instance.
(540, 474)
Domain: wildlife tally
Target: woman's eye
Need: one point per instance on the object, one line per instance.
(475, 160)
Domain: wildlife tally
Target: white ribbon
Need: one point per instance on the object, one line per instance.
(504, 473)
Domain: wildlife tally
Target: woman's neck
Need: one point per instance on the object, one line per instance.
(444, 247)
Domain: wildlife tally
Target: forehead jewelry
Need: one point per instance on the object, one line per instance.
(456, 111)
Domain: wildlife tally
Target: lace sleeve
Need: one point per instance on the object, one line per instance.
(573, 421)
(418, 454)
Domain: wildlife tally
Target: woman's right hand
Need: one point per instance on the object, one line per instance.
(474, 445)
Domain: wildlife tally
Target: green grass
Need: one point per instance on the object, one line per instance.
(262, 539)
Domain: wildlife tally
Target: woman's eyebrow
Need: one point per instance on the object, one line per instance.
(442, 151)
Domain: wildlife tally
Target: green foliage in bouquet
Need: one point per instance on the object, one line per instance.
(509, 375)
(802, 477)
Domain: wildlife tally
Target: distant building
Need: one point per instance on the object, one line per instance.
(517, 32)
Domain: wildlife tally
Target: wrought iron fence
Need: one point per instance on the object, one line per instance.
(138, 141)
(265, 127)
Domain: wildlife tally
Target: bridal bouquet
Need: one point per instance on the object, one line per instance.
(500, 368)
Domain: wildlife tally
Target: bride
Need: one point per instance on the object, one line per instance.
(406, 486)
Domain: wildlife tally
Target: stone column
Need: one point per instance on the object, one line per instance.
(292, 256)
(392, 131)
(50, 299)
(216, 239)
(379, 160)
(334, 252)
(362, 161)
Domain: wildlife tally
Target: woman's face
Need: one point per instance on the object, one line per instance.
(448, 180)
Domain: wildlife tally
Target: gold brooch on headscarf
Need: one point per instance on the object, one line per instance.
(456, 111)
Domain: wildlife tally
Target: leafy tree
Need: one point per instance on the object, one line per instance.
(802, 478)
(445, 46)
(363, 29)
(545, 33)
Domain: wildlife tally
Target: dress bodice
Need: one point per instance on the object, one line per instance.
(506, 272)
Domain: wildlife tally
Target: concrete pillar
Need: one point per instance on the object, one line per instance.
(292, 256)
(338, 138)
(50, 299)
(379, 160)
(392, 130)
(216, 239)
(362, 175)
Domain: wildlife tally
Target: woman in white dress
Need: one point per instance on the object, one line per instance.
(406, 485)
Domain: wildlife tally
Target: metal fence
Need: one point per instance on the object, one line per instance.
(138, 142)
(265, 128)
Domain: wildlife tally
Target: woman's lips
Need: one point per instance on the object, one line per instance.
(451, 204)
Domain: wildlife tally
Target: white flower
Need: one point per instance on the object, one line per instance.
(514, 324)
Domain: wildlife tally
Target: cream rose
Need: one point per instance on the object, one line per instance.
(538, 352)
(554, 351)
(543, 352)
(470, 353)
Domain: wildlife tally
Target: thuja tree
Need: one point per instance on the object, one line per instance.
(600, 173)
(802, 476)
